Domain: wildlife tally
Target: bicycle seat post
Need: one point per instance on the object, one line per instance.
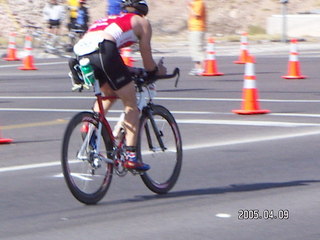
(96, 88)
(97, 93)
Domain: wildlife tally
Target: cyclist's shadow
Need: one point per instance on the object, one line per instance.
(228, 189)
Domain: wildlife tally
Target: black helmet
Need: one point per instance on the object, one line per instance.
(140, 5)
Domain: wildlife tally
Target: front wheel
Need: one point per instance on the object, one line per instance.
(87, 172)
(160, 146)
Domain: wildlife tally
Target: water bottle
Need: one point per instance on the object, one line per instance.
(87, 71)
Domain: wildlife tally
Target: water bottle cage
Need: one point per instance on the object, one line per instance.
(88, 79)
(79, 72)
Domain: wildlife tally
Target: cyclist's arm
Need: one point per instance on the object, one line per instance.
(143, 30)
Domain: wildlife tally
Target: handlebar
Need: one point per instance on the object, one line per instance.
(32, 26)
(77, 30)
(141, 77)
(175, 73)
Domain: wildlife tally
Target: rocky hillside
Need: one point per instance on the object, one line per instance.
(168, 16)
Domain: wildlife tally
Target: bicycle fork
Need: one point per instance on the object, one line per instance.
(158, 133)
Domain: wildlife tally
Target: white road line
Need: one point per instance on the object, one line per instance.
(196, 121)
(79, 110)
(252, 140)
(185, 148)
(223, 215)
(168, 98)
(29, 166)
(48, 110)
(236, 100)
(47, 97)
(247, 123)
(38, 64)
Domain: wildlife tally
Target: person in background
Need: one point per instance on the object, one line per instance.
(82, 16)
(72, 8)
(82, 24)
(114, 7)
(54, 14)
(197, 29)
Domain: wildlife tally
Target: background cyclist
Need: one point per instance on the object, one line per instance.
(114, 7)
(108, 35)
(72, 8)
(82, 16)
(54, 14)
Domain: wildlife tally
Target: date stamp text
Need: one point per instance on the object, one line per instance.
(266, 214)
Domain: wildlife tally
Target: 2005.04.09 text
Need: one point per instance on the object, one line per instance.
(252, 214)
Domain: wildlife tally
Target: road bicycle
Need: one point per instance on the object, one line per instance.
(74, 35)
(49, 42)
(92, 151)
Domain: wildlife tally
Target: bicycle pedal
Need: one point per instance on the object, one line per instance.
(119, 169)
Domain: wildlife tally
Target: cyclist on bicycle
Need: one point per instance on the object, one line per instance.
(101, 45)
(54, 14)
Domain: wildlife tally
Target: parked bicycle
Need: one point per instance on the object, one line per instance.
(92, 152)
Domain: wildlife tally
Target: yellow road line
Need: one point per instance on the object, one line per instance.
(36, 124)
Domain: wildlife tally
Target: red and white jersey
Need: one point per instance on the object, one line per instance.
(119, 27)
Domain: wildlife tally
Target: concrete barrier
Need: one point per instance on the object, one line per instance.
(299, 25)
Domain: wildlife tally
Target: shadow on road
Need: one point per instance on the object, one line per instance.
(228, 189)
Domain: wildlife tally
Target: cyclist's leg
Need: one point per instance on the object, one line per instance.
(115, 73)
(73, 62)
(49, 26)
(131, 125)
(56, 28)
(128, 96)
(115, 80)
(107, 103)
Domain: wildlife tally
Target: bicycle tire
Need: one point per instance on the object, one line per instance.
(86, 183)
(165, 165)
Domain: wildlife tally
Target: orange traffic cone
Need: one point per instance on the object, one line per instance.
(210, 65)
(250, 104)
(294, 64)
(244, 53)
(28, 59)
(126, 56)
(12, 51)
(5, 140)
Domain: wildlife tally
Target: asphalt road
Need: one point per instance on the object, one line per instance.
(234, 166)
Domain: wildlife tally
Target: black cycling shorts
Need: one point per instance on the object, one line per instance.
(108, 65)
(54, 23)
